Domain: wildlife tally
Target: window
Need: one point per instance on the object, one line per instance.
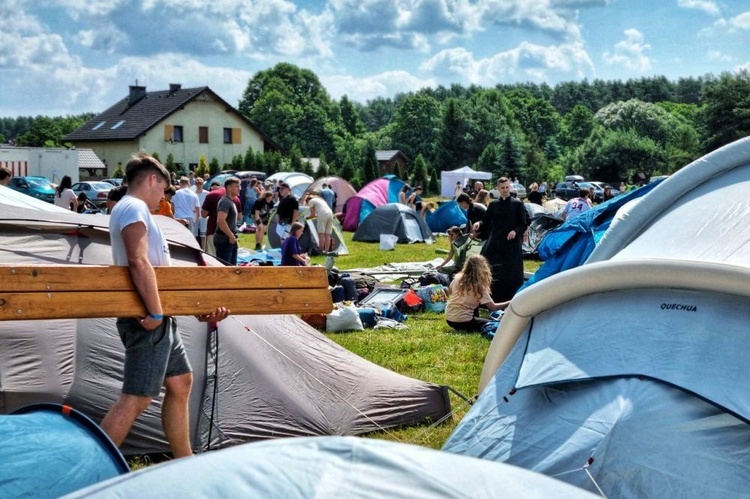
(118, 124)
(101, 124)
(232, 136)
(203, 134)
(177, 134)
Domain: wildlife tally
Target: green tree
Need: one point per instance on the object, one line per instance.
(419, 178)
(644, 118)
(452, 148)
(170, 164)
(307, 167)
(237, 161)
(118, 173)
(203, 167)
(618, 155)
(577, 125)
(489, 160)
(323, 169)
(511, 154)
(417, 125)
(295, 159)
(350, 117)
(347, 170)
(43, 132)
(433, 186)
(727, 109)
(289, 104)
(214, 167)
(370, 164)
(248, 162)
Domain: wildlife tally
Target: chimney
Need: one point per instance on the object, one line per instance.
(136, 93)
(174, 87)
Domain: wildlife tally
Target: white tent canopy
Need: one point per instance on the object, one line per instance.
(448, 179)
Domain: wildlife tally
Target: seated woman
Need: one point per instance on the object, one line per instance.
(291, 254)
(469, 289)
(456, 256)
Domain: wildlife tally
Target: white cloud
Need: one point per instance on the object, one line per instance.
(370, 87)
(716, 55)
(527, 61)
(707, 6)
(630, 53)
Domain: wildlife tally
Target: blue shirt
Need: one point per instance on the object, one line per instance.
(290, 247)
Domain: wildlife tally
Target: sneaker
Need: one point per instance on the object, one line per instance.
(258, 247)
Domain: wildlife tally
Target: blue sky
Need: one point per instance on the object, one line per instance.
(61, 57)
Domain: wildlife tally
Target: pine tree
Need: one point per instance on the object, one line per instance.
(370, 163)
(433, 186)
(420, 172)
(249, 161)
(323, 170)
(213, 166)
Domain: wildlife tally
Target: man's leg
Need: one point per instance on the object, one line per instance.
(174, 414)
(122, 415)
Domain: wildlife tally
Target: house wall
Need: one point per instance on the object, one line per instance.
(201, 112)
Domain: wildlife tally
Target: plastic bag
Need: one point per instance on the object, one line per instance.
(344, 318)
(434, 296)
(388, 241)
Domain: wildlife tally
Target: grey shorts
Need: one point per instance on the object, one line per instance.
(151, 356)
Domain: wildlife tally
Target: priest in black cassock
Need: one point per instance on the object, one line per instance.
(502, 228)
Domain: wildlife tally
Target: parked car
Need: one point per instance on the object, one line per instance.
(567, 190)
(38, 187)
(225, 174)
(96, 191)
(599, 190)
(114, 181)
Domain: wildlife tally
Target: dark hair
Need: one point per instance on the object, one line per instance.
(463, 198)
(65, 183)
(170, 189)
(5, 173)
(231, 180)
(142, 163)
(295, 227)
(117, 193)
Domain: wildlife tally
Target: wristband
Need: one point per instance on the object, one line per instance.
(156, 317)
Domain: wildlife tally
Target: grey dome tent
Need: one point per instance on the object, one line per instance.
(255, 377)
(632, 381)
(395, 219)
(333, 467)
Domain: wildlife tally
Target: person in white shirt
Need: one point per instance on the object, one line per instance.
(319, 208)
(187, 206)
(578, 205)
(64, 195)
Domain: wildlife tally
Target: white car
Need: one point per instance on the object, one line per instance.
(519, 189)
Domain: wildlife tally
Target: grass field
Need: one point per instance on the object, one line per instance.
(428, 350)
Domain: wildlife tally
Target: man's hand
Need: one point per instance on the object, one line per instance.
(218, 316)
(511, 235)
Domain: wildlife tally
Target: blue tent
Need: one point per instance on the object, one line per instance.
(49, 450)
(626, 375)
(445, 216)
(332, 467)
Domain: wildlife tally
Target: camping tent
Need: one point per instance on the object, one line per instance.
(50, 450)
(448, 179)
(255, 377)
(445, 216)
(341, 187)
(333, 467)
(299, 182)
(377, 193)
(632, 380)
(396, 219)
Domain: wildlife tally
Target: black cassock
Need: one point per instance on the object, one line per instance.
(505, 257)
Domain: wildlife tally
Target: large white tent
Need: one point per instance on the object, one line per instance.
(448, 179)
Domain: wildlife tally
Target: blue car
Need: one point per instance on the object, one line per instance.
(38, 187)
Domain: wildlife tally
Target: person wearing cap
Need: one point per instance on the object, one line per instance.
(287, 211)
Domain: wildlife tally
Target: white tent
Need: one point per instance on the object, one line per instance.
(448, 179)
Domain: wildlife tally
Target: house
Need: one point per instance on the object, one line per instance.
(184, 122)
(392, 161)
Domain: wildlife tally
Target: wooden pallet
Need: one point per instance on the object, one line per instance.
(87, 291)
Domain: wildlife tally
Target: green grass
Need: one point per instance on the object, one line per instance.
(428, 350)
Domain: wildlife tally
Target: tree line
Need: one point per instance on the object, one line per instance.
(604, 130)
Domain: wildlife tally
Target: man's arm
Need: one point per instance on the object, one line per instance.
(135, 239)
(295, 214)
(221, 223)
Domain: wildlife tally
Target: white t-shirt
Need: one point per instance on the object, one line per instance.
(185, 203)
(575, 207)
(320, 206)
(66, 197)
(132, 210)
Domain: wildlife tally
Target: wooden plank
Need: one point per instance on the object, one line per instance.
(84, 304)
(15, 278)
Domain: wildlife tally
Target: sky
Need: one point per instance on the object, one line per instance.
(65, 57)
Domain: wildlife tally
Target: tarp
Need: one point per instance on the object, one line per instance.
(396, 219)
(626, 374)
(256, 377)
(377, 193)
(49, 450)
(333, 467)
(445, 216)
(448, 179)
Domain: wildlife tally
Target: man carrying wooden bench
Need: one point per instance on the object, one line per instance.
(154, 353)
